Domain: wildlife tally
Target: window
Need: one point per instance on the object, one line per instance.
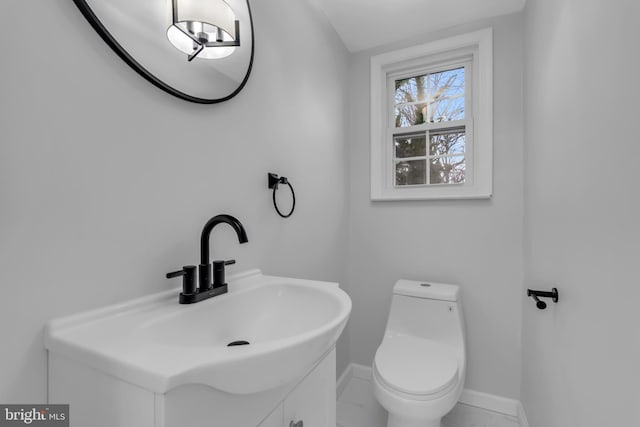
(431, 120)
(430, 125)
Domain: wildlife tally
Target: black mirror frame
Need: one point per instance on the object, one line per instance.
(126, 57)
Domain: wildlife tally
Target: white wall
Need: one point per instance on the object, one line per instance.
(477, 244)
(580, 357)
(106, 181)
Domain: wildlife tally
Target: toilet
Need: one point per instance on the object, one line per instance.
(419, 368)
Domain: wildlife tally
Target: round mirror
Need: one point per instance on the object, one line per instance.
(198, 51)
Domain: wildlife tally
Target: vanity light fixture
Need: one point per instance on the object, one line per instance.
(204, 28)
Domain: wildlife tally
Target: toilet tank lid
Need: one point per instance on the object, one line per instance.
(426, 289)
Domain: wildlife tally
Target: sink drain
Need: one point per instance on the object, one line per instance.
(234, 343)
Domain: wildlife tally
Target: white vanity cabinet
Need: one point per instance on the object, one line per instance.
(312, 403)
(100, 400)
(275, 419)
(151, 362)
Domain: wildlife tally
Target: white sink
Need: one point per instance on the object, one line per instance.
(158, 344)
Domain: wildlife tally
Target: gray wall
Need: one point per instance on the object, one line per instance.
(580, 357)
(477, 243)
(106, 182)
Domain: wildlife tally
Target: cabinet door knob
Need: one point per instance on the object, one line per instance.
(298, 424)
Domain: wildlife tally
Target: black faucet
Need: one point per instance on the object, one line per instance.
(206, 288)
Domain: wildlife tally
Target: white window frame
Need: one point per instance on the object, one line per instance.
(476, 47)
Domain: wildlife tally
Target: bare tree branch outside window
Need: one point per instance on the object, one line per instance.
(430, 98)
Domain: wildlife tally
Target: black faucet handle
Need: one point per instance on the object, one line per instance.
(218, 272)
(221, 263)
(176, 274)
(188, 274)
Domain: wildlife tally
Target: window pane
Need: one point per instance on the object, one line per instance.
(410, 115)
(410, 146)
(435, 98)
(446, 96)
(412, 172)
(447, 142)
(447, 170)
(410, 97)
(411, 90)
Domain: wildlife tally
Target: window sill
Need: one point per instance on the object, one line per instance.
(429, 193)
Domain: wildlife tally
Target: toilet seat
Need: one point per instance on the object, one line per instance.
(417, 367)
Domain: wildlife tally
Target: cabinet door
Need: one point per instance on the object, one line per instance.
(313, 401)
(97, 399)
(274, 419)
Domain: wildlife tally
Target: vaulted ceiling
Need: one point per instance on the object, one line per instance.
(363, 24)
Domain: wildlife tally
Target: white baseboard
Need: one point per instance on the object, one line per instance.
(361, 371)
(488, 401)
(343, 379)
(353, 370)
(491, 402)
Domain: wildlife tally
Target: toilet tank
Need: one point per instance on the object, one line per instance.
(427, 310)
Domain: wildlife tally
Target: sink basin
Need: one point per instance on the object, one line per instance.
(281, 328)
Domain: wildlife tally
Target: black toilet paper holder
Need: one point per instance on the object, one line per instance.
(536, 295)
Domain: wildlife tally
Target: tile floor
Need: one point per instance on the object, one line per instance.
(357, 407)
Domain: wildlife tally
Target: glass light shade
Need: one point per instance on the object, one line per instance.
(185, 44)
(206, 21)
(216, 13)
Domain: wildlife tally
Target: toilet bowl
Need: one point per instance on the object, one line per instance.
(419, 368)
